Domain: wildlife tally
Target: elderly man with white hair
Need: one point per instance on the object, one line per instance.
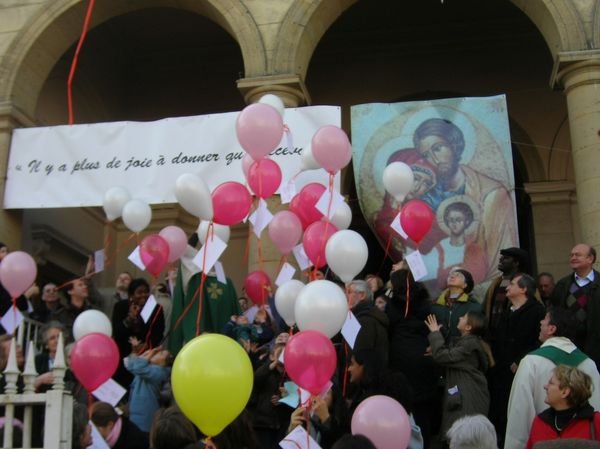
(472, 432)
(373, 334)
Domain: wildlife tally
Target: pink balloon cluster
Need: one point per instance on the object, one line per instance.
(315, 241)
(310, 360)
(17, 272)
(264, 177)
(259, 129)
(416, 219)
(256, 286)
(331, 148)
(231, 203)
(94, 359)
(285, 231)
(154, 251)
(383, 420)
(303, 204)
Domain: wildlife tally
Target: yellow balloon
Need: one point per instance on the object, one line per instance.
(212, 380)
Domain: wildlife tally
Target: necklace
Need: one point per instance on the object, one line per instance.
(560, 429)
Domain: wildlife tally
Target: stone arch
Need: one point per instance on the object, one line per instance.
(301, 30)
(50, 32)
(304, 25)
(558, 22)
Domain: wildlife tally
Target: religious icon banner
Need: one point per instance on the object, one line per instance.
(459, 151)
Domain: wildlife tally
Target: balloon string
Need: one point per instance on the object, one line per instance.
(330, 196)
(89, 401)
(345, 381)
(407, 294)
(86, 23)
(148, 343)
(202, 280)
(186, 310)
(263, 286)
(307, 412)
(387, 252)
(107, 239)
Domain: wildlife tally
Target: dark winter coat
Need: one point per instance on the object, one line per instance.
(373, 334)
(465, 362)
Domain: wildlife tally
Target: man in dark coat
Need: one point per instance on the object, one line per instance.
(516, 335)
(373, 334)
(580, 293)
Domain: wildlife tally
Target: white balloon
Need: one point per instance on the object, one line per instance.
(346, 253)
(137, 215)
(342, 216)
(89, 322)
(274, 101)
(221, 231)
(321, 306)
(398, 179)
(194, 196)
(285, 300)
(114, 200)
(307, 160)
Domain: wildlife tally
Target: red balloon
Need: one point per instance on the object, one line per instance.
(94, 359)
(315, 240)
(255, 285)
(303, 204)
(154, 251)
(310, 360)
(416, 219)
(231, 203)
(264, 177)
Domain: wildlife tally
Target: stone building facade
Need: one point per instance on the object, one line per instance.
(149, 59)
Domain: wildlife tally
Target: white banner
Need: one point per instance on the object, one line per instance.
(73, 166)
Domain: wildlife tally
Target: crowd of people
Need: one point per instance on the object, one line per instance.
(525, 354)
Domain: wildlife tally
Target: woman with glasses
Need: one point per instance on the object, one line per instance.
(569, 415)
(454, 302)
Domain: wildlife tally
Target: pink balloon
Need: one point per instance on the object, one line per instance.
(303, 204)
(231, 203)
(264, 177)
(285, 231)
(255, 285)
(315, 240)
(259, 129)
(17, 272)
(177, 241)
(154, 251)
(310, 360)
(94, 359)
(381, 419)
(247, 161)
(331, 148)
(416, 219)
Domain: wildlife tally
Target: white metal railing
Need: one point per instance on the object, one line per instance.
(30, 330)
(58, 402)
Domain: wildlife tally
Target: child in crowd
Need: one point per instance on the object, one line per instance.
(465, 363)
(259, 332)
(150, 371)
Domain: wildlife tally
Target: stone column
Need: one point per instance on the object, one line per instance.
(10, 220)
(555, 223)
(292, 91)
(581, 81)
(290, 88)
